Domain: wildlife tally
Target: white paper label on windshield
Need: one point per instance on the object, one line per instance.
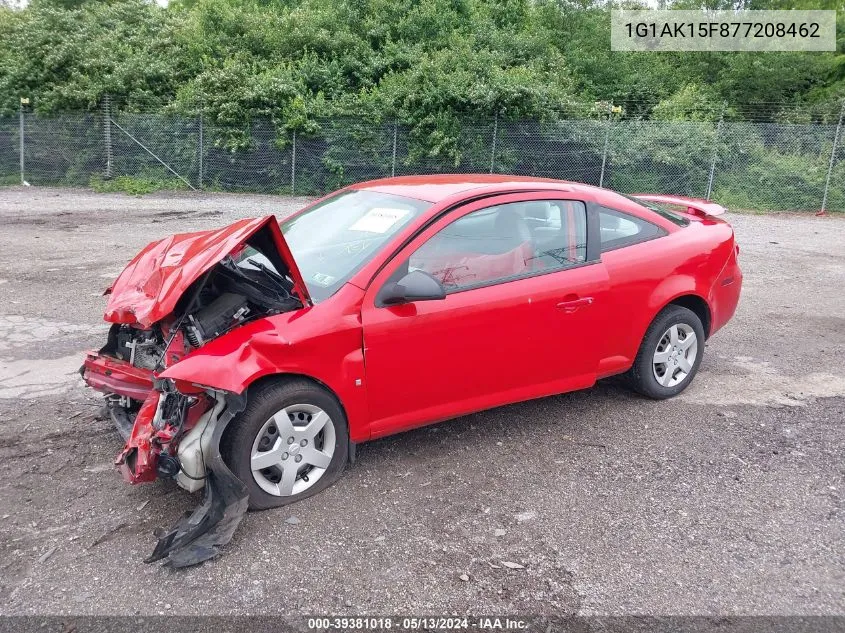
(378, 220)
(323, 279)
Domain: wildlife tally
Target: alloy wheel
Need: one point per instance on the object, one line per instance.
(292, 450)
(675, 355)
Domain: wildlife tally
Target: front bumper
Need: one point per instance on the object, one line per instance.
(124, 383)
(112, 375)
(151, 437)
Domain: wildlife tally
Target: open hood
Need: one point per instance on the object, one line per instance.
(149, 287)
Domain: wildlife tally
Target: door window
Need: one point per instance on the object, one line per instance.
(505, 242)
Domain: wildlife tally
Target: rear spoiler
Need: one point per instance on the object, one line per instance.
(694, 206)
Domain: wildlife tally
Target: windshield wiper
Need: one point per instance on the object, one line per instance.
(270, 273)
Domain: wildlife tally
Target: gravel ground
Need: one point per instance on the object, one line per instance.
(725, 500)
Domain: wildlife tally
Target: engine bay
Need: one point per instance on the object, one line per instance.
(239, 289)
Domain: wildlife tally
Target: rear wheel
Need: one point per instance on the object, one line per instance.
(669, 355)
(289, 443)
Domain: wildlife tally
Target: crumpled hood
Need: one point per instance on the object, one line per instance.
(153, 282)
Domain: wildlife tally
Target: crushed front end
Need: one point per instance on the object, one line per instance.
(149, 415)
(172, 299)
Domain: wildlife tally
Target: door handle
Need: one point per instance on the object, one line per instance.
(571, 305)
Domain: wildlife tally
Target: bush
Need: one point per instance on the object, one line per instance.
(134, 185)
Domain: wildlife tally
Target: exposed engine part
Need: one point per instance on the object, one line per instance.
(171, 410)
(218, 317)
(171, 434)
(234, 293)
(174, 407)
(230, 294)
(141, 348)
(167, 466)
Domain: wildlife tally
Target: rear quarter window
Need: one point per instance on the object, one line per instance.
(665, 211)
(619, 230)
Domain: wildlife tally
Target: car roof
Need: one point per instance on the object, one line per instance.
(438, 187)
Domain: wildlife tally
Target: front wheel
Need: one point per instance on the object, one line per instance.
(669, 355)
(290, 442)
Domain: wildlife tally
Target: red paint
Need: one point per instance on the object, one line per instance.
(439, 188)
(422, 362)
(149, 287)
(137, 460)
(322, 342)
(480, 348)
(139, 457)
(696, 206)
(112, 375)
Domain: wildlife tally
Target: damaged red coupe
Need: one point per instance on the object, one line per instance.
(250, 360)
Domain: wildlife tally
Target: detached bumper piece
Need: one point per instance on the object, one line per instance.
(112, 375)
(199, 535)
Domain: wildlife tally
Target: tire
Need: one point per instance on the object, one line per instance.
(276, 413)
(661, 380)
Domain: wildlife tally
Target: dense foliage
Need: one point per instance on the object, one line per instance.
(425, 61)
(440, 70)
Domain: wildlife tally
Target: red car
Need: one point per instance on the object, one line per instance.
(250, 360)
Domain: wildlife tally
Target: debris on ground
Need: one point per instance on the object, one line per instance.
(47, 554)
(108, 534)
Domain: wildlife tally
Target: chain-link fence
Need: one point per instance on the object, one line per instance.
(746, 165)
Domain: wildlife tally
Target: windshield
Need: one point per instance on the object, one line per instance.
(333, 239)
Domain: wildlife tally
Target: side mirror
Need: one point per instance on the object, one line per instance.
(415, 286)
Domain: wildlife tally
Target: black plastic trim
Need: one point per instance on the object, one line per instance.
(198, 535)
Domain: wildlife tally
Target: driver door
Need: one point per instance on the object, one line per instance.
(516, 322)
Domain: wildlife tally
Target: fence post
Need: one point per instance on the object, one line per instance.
(107, 134)
(201, 151)
(832, 157)
(393, 163)
(606, 144)
(22, 143)
(495, 139)
(717, 135)
(293, 166)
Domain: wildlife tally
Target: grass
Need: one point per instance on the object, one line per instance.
(135, 185)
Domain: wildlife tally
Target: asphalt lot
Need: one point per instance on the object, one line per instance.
(725, 500)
